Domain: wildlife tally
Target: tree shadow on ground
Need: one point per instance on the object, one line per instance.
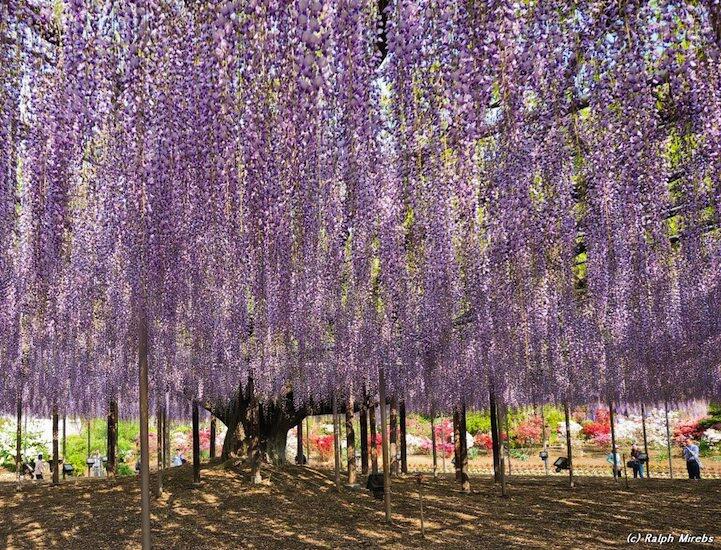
(298, 507)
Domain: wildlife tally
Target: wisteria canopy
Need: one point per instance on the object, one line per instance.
(519, 195)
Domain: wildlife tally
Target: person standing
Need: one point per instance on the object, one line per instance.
(39, 467)
(639, 458)
(693, 461)
(614, 459)
(97, 464)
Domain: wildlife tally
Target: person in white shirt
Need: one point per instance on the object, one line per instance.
(39, 467)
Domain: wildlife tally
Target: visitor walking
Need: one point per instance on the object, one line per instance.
(39, 467)
(614, 459)
(693, 462)
(638, 460)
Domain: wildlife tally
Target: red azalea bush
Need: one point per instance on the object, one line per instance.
(598, 430)
(688, 428)
(529, 431)
(323, 444)
(483, 440)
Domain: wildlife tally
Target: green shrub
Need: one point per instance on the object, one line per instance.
(478, 422)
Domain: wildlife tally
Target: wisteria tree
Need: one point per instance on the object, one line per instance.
(268, 202)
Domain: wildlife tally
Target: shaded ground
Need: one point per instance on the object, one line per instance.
(299, 508)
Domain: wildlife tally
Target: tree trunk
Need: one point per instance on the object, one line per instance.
(404, 450)
(56, 453)
(112, 432)
(274, 444)
(394, 436)
(262, 429)
(213, 428)
(364, 439)
(374, 436)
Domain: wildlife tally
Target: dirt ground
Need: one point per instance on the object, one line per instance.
(299, 508)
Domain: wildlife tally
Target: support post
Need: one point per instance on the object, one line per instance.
(56, 453)
(299, 443)
(159, 447)
(196, 443)
(18, 442)
(443, 442)
(384, 445)
(254, 454)
(465, 479)
(495, 440)
(112, 436)
(457, 442)
(364, 439)
(625, 470)
(213, 428)
(166, 433)
(88, 453)
(508, 439)
(501, 411)
(64, 444)
(668, 441)
(307, 439)
(394, 436)
(144, 443)
(545, 441)
(336, 444)
(616, 466)
(350, 442)
(404, 450)
(433, 444)
(645, 441)
(568, 444)
(374, 436)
